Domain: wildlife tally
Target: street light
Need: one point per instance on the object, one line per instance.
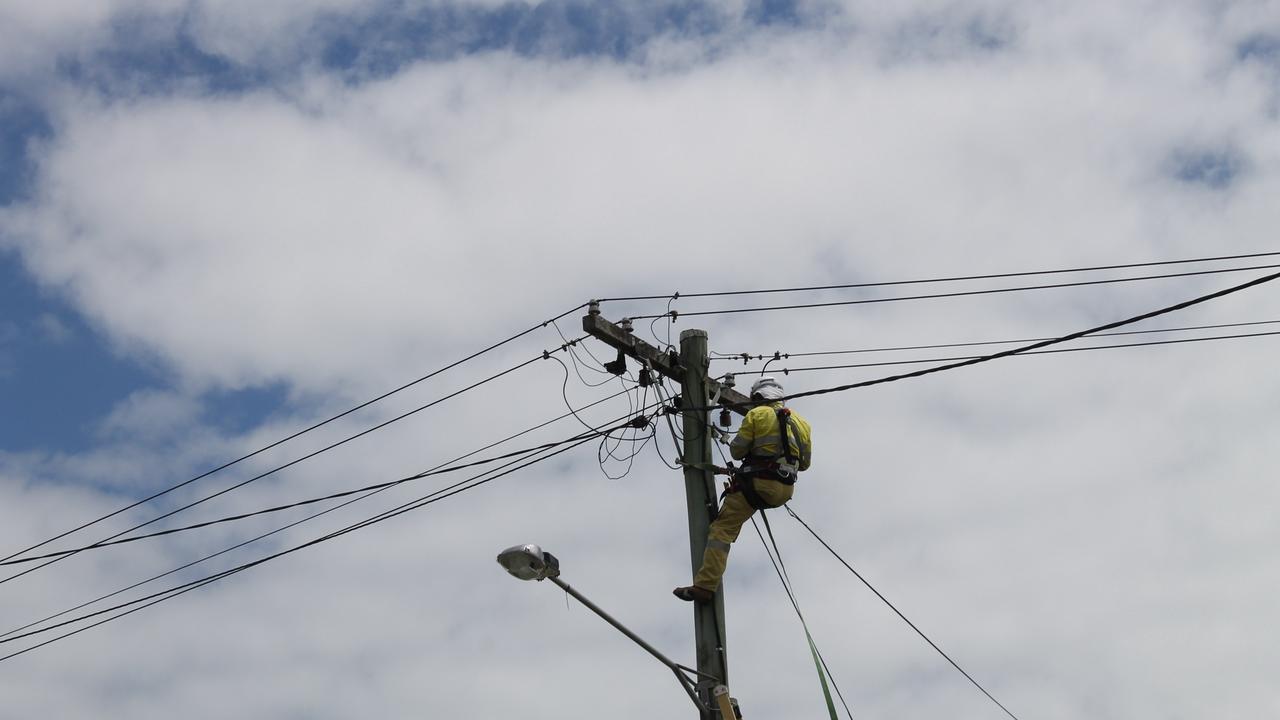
(530, 562)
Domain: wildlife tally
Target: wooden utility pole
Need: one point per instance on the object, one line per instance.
(689, 369)
(700, 495)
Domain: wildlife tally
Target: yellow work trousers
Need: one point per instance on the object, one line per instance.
(734, 513)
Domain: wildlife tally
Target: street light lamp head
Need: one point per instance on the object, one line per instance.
(529, 562)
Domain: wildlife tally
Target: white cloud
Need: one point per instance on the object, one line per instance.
(1083, 532)
(34, 35)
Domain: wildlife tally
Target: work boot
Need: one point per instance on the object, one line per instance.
(693, 593)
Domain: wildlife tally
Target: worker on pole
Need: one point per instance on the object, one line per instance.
(774, 444)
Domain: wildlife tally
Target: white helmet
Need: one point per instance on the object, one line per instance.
(767, 387)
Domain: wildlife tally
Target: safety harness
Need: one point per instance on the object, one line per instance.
(769, 467)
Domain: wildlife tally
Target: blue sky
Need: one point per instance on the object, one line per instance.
(69, 380)
(221, 222)
(61, 374)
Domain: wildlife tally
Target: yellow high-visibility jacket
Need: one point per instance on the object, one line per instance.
(759, 436)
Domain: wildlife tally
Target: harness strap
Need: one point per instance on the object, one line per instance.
(747, 484)
(784, 449)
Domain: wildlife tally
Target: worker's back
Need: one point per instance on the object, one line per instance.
(760, 436)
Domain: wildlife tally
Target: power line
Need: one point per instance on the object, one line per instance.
(1045, 343)
(899, 613)
(173, 592)
(295, 435)
(582, 437)
(959, 293)
(958, 278)
(578, 363)
(291, 463)
(297, 522)
(289, 506)
(1115, 346)
(605, 452)
(747, 357)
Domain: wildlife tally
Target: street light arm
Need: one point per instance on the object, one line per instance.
(675, 667)
(690, 689)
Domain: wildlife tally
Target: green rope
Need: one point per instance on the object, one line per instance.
(779, 568)
(822, 676)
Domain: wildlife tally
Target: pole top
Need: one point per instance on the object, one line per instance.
(692, 333)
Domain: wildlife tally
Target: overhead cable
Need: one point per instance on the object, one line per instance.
(376, 518)
(954, 278)
(295, 435)
(295, 523)
(958, 293)
(578, 363)
(1038, 345)
(894, 608)
(921, 361)
(746, 357)
(545, 355)
(289, 506)
(150, 600)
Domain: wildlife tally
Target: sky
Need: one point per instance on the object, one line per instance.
(222, 223)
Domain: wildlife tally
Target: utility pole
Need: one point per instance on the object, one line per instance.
(700, 494)
(689, 369)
